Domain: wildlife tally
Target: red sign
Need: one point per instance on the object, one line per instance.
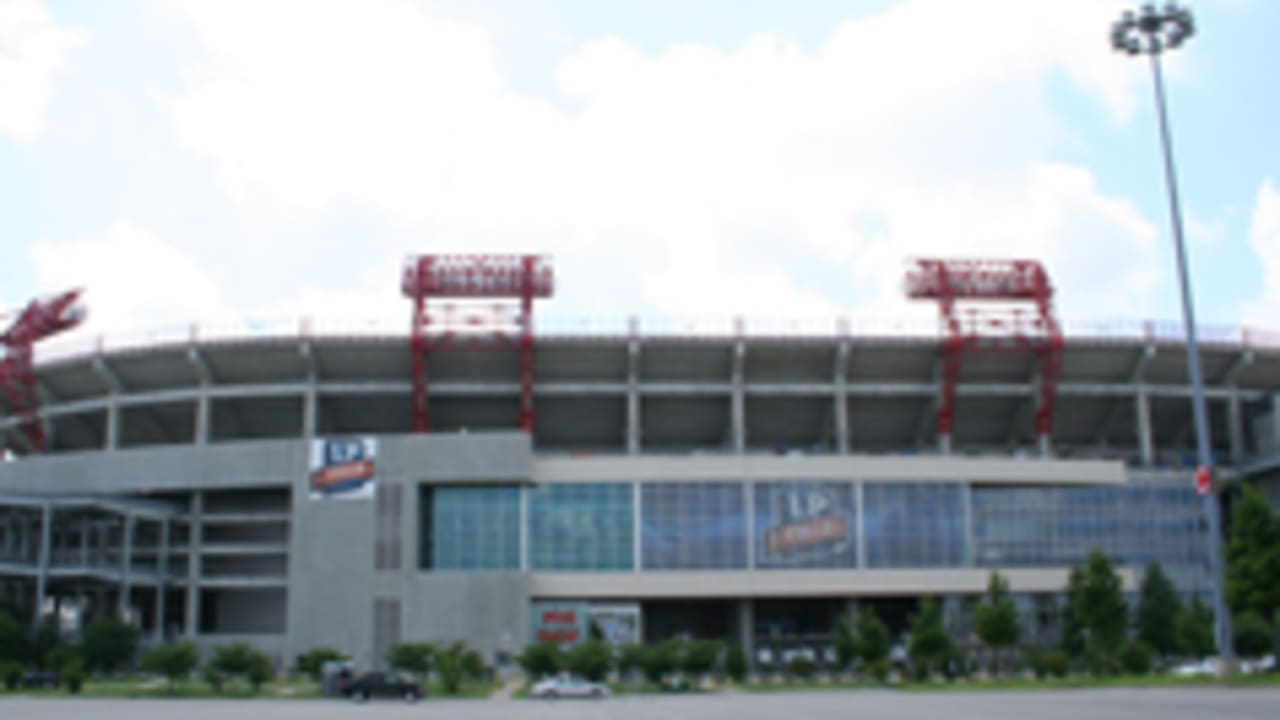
(814, 532)
(334, 474)
(1204, 480)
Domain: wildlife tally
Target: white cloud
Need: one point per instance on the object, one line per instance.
(1264, 237)
(32, 49)
(765, 180)
(132, 281)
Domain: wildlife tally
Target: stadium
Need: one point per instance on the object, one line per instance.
(308, 488)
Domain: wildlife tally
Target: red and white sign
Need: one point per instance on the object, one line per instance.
(1204, 480)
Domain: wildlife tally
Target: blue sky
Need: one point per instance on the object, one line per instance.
(219, 162)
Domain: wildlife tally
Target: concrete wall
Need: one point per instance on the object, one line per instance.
(333, 581)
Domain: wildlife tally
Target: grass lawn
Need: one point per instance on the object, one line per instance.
(1067, 683)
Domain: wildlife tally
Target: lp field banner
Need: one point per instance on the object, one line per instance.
(343, 468)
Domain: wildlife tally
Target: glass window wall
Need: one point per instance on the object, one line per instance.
(693, 526)
(581, 527)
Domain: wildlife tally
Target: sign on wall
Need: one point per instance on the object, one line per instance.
(569, 623)
(805, 525)
(343, 468)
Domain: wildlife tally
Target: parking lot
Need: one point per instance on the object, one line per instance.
(1131, 704)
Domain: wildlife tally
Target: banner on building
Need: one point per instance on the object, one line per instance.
(805, 525)
(343, 468)
(569, 623)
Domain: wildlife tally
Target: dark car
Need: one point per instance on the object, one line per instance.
(376, 684)
(40, 679)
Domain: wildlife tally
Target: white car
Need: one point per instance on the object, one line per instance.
(571, 686)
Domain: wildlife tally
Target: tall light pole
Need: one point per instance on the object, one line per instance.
(1150, 32)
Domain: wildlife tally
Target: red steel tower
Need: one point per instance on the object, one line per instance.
(41, 318)
(995, 317)
(493, 327)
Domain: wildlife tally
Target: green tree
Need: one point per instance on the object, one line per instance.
(451, 666)
(929, 644)
(660, 660)
(107, 644)
(312, 661)
(700, 657)
(846, 645)
(1158, 609)
(1135, 657)
(12, 638)
(1097, 602)
(73, 675)
(541, 659)
(630, 658)
(735, 664)
(172, 661)
(872, 636)
(1253, 556)
(242, 659)
(57, 659)
(1195, 630)
(590, 659)
(44, 638)
(473, 667)
(413, 657)
(995, 619)
(1252, 634)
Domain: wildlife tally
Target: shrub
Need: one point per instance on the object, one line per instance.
(73, 675)
(1252, 634)
(414, 657)
(541, 659)
(660, 660)
(735, 664)
(1056, 663)
(11, 673)
(107, 644)
(259, 670)
(590, 659)
(801, 668)
(473, 667)
(449, 665)
(172, 661)
(214, 677)
(1135, 657)
(60, 657)
(700, 657)
(312, 662)
(12, 638)
(630, 658)
(879, 669)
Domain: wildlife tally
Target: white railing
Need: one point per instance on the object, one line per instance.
(918, 328)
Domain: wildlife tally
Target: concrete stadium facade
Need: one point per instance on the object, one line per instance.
(749, 488)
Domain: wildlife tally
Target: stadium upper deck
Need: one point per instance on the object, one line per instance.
(798, 390)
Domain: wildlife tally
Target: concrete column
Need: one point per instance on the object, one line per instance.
(967, 500)
(1044, 443)
(633, 397)
(747, 630)
(111, 438)
(738, 401)
(1235, 426)
(841, 399)
(1142, 410)
(162, 577)
(859, 502)
(750, 506)
(196, 510)
(204, 415)
(126, 565)
(310, 408)
(42, 562)
(944, 444)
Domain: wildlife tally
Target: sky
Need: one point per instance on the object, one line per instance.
(245, 164)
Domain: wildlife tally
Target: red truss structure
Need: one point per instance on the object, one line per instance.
(1007, 307)
(41, 318)
(503, 326)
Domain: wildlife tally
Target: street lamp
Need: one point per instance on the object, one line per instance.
(1151, 32)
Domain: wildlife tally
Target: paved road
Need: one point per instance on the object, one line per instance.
(1130, 704)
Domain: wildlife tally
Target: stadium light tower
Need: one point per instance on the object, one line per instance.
(1150, 32)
